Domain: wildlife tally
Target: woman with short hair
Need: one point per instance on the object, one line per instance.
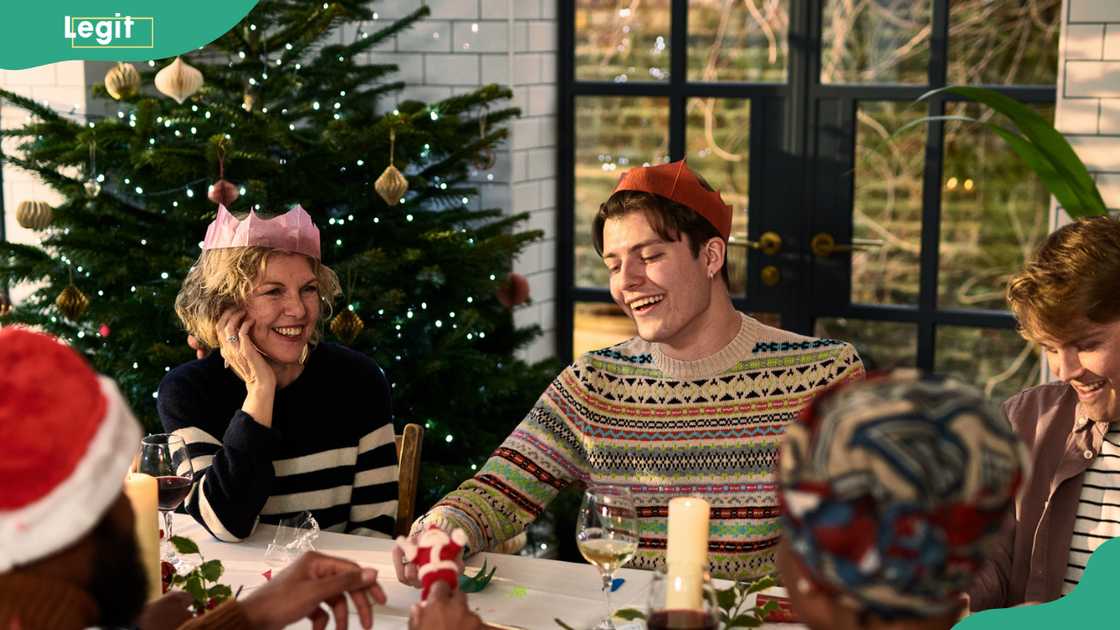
(277, 422)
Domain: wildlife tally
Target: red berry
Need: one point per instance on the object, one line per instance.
(211, 603)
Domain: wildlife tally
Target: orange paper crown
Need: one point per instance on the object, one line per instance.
(676, 182)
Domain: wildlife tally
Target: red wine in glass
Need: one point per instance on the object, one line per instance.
(681, 620)
(172, 491)
(164, 456)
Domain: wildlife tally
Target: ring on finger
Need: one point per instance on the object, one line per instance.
(232, 338)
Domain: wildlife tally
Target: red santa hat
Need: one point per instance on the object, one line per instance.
(67, 439)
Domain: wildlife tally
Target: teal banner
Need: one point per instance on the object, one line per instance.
(38, 33)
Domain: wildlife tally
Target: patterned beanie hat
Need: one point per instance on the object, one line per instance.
(893, 488)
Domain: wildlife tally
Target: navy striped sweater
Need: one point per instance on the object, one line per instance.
(330, 449)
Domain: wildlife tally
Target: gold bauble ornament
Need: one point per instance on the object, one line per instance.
(34, 215)
(484, 161)
(248, 101)
(122, 81)
(179, 80)
(347, 325)
(391, 185)
(92, 188)
(72, 302)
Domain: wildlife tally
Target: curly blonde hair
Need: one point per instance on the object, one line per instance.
(222, 279)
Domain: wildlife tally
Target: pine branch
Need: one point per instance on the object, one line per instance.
(30, 105)
(364, 44)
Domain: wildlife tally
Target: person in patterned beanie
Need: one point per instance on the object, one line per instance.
(893, 491)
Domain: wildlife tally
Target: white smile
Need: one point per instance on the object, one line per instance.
(289, 331)
(1090, 389)
(645, 301)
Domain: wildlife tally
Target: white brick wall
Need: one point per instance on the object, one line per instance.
(1088, 107)
(63, 87)
(465, 43)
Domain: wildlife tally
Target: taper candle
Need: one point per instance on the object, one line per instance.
(686, 552)
(143, 493)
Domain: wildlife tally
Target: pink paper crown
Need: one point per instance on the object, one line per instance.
(292, 231)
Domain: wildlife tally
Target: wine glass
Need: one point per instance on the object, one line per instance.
(607, 534)
(164, 456)
(682, 598)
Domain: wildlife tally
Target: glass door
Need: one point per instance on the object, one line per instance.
(845, 226)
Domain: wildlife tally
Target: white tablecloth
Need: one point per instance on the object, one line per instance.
(525, 592)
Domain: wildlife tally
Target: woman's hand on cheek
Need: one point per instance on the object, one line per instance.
(257, 369)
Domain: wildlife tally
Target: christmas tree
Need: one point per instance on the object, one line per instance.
(274, 113)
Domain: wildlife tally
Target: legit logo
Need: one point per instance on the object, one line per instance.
(110, 32)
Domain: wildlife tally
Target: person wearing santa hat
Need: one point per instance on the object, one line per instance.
(694, 404)
(68, 555)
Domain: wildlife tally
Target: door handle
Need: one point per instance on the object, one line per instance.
(824, 245)
(769, 243)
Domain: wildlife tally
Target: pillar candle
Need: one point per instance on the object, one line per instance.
(686, 552)
(143, 493)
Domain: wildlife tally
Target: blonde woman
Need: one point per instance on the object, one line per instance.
(276, 422)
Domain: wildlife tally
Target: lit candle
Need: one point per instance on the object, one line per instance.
(143, 493)
(686, 553)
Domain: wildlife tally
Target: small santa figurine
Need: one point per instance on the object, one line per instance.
(435, 554)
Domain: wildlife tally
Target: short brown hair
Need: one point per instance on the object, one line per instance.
(1074, 276)
(668, 218)
(222, 279)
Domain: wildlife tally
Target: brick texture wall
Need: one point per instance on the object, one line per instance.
(63, 87)
(466, 43)
(1088, 107)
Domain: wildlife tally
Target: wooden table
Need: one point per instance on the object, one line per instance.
(525, 592)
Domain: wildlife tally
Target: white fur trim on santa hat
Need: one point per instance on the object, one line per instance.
(73, 507)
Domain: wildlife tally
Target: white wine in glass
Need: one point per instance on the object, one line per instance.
(607, 534)
(609, 554)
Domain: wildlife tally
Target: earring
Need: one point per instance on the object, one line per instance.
(304, 353)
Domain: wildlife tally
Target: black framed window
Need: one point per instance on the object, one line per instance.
(793, 109)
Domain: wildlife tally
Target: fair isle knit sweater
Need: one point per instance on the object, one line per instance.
(630, 415)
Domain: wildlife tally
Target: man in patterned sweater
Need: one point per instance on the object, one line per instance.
(696, 404)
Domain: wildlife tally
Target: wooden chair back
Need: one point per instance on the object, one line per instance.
(409, 444)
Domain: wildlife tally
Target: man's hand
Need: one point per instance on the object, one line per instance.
(407, 571)
(311, 580)
(170, 611)
(444, 610)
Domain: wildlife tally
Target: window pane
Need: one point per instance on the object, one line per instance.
(613, 134)
(999, 362)
(718, 139)
(1004, 42)
(599, 325)
(877, 41)
(995, 212)
(887, 207)
(881, 345)
(733, 41)
(620, 40)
